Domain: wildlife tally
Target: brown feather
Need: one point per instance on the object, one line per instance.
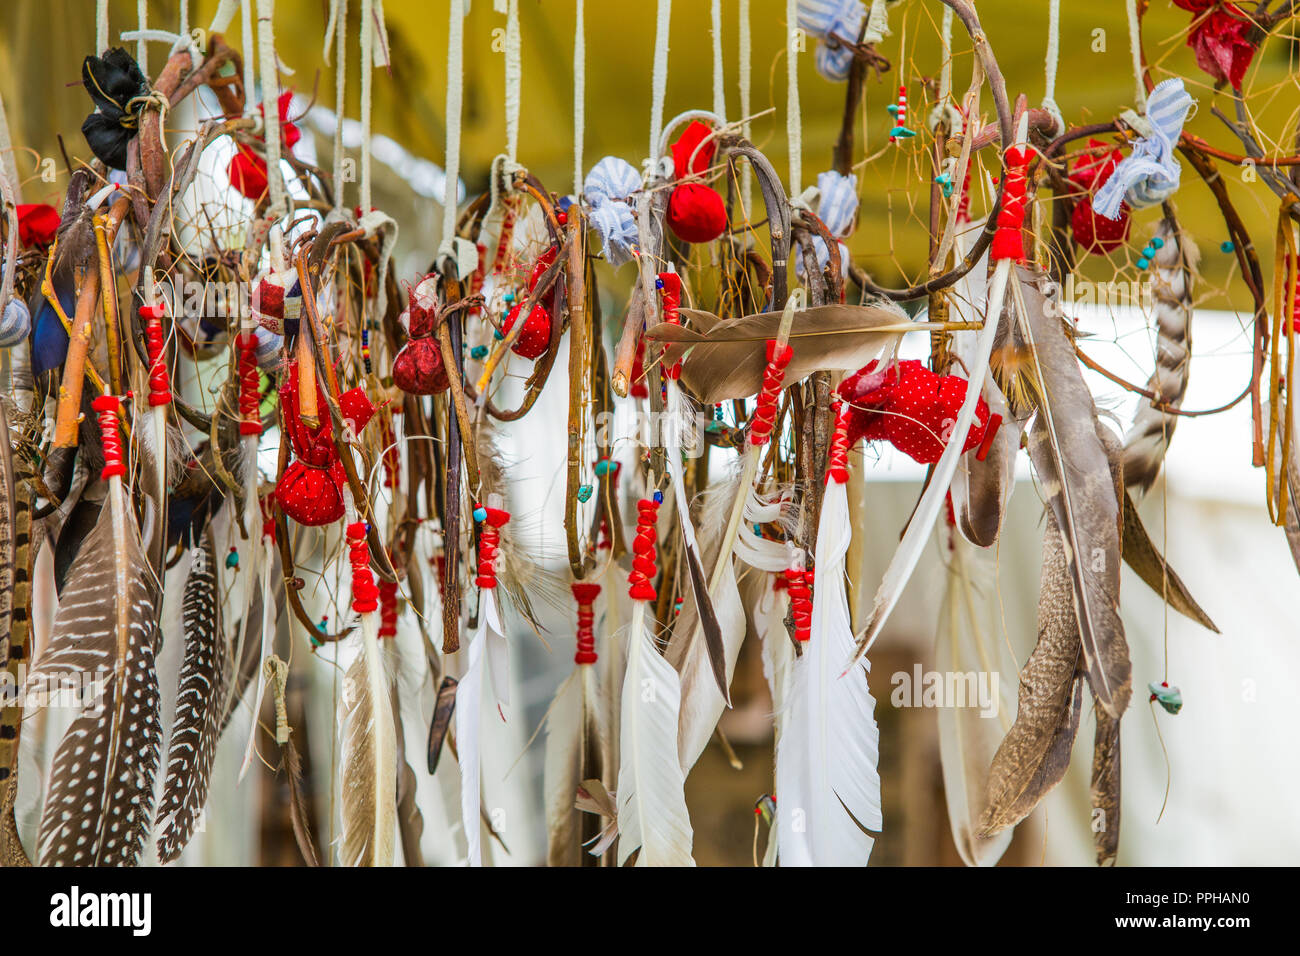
(1105, 788)
(728, 361)
(1034, 755)
(443, 710)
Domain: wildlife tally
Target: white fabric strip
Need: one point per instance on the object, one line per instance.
(367, 69)
(246, 38)
(141, 56)
(339, 18)
(792, 119)
(101, 26)
(270, 107)
(1053, 56)
(514, 78)
(719, 90)
(659, 82)
(579, 96)
(1135, 47)
(746, 75)
(455, 37)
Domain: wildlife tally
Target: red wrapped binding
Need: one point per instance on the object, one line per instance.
(159, 382)
(643, 548)
(585, 594)
(107, 406)
(671, 286)
(837, 468)
(365, 595)
(489, 541)
(778, 357)
(387, 608)
(798, 581)
(250, 397)
(1008, 241)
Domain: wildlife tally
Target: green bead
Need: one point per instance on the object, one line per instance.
(603, 467)
(584, 493)
(1170, 698)
(1143, 262)
(478, 352)
(1157, 243)
(1228, 246)
(901, 132)
(232, 559)
(496, 334)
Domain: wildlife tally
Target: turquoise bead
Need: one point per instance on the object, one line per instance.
(480, 513)
(1228, 246)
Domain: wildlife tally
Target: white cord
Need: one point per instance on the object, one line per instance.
(367, 69)
(1135, 45)
(514, 75)
(659, 81)
(719, 91)
(270, 107)
(579, 97)
(246, 37)
(746, 73)
(792, 118)
(141, 57)
(1053, 57)
(101, 27)
(455, 38)
(339, 22)
(184, 29)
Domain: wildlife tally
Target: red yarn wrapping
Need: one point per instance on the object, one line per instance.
(1008, 241)
(107, 406)
(672, 299)
(387, 608)
(837, 469)
(365, 595)
(250, 398)
(797, 581)
(643, 547)
(585, 594)
(159, 382)
(489, 542)
(778, 357)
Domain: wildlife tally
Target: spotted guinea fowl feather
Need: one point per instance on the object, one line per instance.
(200, 703)
(100, 796)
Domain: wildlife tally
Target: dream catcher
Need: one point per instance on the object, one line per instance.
(252, 445)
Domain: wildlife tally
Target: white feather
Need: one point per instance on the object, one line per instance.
(469, 699)
(827, 781)
(970, 640)
(268, 635)
(651, 795)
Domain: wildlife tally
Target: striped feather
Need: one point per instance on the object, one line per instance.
(100, 796)
(200, 703)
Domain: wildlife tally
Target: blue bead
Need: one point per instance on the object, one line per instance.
(480, 513)
(1143, 263)
(659, 497)
(584, 493)
(478, 352)
(496, 334)
(1228, 246)
(1158, 242)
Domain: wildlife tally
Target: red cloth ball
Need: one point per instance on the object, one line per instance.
(37, 224)
(696, 213)
(1094, 233)
(311, 495)
(418, 368)
(535, 337)
(911, 407)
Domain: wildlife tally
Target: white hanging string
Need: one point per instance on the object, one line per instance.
(1135, 47)
(367, 71)
(945, 111)
(455, 37)
(877, 23)
(514, 78)
(101, 26)
(270, 108)
(792, 118)
(579, 97)
(141, 57)
(719, 91)
(659, 81)
(336, 32)
(746, 74)
(246, 38)
(1053, 56)
(184, 27)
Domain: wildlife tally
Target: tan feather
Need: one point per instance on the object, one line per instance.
(369, 761)
(728, 361)
(1034, 755)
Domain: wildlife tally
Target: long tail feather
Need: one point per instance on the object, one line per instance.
(369, 760)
